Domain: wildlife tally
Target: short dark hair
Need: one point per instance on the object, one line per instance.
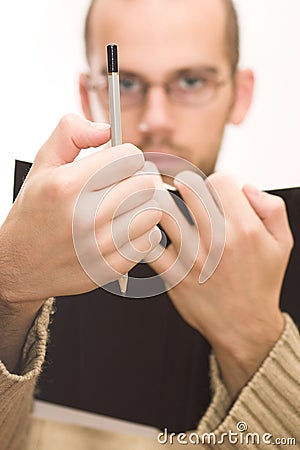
(232, 32)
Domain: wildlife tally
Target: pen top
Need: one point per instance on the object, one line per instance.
(112, 58)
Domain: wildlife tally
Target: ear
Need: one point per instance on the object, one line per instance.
(84, 96)
(244, 87)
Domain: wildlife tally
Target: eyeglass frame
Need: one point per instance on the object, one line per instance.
(214, 84)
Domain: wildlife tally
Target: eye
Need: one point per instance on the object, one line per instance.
(191, 82)
(129, 85)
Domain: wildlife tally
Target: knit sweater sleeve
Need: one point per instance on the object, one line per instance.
(269, 405)
(16, 391)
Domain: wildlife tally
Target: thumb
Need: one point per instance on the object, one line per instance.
(271, 210)
(70, 136)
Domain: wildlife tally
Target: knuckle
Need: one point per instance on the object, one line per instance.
(147, 218)
(105, 244)
(143, 186)
(219, 242)
(133, 153)
(130, 149)
(131, 157)
(67, 121)
(229, 245)
(243, 236)
(219, 179)
(155, 215)
(148, 182)
(248, 232)
(226, 241)
(290, 240)
(118, 264)
(277, 204)
(57, 187)
(221, 186)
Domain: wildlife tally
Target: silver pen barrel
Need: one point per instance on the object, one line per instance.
(115, 108)
(115, 116)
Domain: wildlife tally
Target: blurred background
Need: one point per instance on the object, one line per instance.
(42, 54)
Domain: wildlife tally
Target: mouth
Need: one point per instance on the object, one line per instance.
(160, 156)
(158, 149)
(168, 164)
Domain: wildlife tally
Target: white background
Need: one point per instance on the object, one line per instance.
(42, 54)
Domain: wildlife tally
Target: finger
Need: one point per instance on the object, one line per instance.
(237, 209)
(105, 268)
(128, 227)
(183, 235)
(70, 136)
(133, 252)
(107, 167)
(142, 245)
(125, 196)
(203, 201)
(271, 210)
(161, 259)
(172, 228)
(135, 223)
(171, 217)
(142, 220)
(167, 265)
(94, 209)
(172, 221)
(196, 196)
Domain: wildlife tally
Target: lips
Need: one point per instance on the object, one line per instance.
(167, 164)
(157, 149)
(160, 157)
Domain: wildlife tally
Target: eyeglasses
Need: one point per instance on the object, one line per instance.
(190, 87)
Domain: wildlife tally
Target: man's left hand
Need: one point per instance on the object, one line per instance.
(237, 308)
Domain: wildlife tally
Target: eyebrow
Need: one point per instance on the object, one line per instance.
(209, 70)
(206, 70)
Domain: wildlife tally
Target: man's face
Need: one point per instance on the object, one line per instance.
(176, 42)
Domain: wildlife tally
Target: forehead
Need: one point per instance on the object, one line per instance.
(160, 36)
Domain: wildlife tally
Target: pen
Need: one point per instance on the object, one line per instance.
(115, 115)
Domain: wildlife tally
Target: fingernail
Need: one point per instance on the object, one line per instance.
(101, 126)
(178, 185)
(155, 237)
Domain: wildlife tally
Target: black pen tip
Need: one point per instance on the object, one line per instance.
(112, 58)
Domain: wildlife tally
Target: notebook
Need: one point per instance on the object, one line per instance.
(137, 360)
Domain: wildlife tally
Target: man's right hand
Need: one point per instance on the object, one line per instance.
(37, 254)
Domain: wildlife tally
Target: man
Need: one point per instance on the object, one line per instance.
(179, 103)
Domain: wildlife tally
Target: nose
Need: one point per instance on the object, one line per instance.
(157, 119)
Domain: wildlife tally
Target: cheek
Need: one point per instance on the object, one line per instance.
(201, 131)
(199, 127)
(198, 121)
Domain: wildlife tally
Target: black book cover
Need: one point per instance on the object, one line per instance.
(137, 359)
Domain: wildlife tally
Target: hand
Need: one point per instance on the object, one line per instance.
(37, 252)
(37, 255)
(237, 308)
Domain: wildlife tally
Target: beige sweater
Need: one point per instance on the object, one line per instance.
(269, 405)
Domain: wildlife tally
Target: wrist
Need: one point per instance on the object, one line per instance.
(13, 297)
(240, 358)
(19, 308)
(16, 319)
(251, 341)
